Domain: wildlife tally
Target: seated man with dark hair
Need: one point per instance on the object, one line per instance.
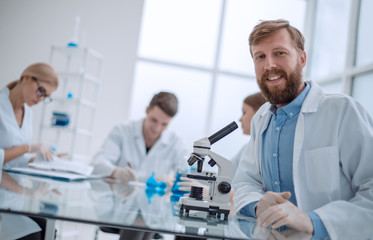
(135, 150)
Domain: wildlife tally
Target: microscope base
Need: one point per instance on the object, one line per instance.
(213, 209)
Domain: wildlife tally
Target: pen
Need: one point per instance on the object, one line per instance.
(129, 164)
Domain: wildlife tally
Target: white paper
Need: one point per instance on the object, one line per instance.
(65, 176)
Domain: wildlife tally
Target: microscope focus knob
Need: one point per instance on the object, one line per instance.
(224, 187)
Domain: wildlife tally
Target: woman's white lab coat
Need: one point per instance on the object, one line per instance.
(243, 153)
(125, 143)
(332, 163)
(11, 134)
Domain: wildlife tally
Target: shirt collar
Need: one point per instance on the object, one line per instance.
(293, 108)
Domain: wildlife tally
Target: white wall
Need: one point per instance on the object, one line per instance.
(28, 28)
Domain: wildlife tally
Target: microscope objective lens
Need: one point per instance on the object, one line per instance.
(196, 193)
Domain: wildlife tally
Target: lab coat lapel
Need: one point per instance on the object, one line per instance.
(265, 116)
(263, 122)
(298, 144)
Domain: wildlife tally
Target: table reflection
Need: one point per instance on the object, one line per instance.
(114, 204)
(12, 197)
(253, 231)
(132, 205)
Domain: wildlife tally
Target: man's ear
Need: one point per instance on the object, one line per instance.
(303, 58)
(147, 110)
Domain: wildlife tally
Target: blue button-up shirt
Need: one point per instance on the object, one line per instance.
(277, 160)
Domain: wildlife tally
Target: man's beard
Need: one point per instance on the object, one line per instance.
(276, 95)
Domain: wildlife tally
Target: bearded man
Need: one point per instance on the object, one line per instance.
(310, 164)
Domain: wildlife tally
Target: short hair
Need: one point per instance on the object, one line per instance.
(255, 100)
(166, 101)
(266, 28)
(43, 72)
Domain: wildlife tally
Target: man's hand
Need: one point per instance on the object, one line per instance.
(168, 180)
(271, 199)
(285, 213)
(124, 174)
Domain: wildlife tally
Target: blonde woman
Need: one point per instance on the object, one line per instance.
(36, 84)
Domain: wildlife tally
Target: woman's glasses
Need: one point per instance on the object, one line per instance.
(41, 92)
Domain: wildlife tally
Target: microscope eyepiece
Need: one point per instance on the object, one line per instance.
(223, 132)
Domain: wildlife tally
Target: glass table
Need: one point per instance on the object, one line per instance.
(108, 203)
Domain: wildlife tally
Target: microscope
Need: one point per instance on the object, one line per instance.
(219, 184)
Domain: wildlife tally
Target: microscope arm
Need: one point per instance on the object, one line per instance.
(225, 167)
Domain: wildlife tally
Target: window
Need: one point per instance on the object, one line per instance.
(332, 86)
(363, 84)
(342, 53)
(328, 52)
(182, 32)
(199, 50)
(364, 50)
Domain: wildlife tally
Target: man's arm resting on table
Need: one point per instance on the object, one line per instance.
(319, 229)
(250, 209)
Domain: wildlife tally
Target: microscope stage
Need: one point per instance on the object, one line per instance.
(213, 209)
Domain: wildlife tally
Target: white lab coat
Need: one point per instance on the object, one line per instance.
(11, 134)
(243, 153)
(332, 163)
(125, 143)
